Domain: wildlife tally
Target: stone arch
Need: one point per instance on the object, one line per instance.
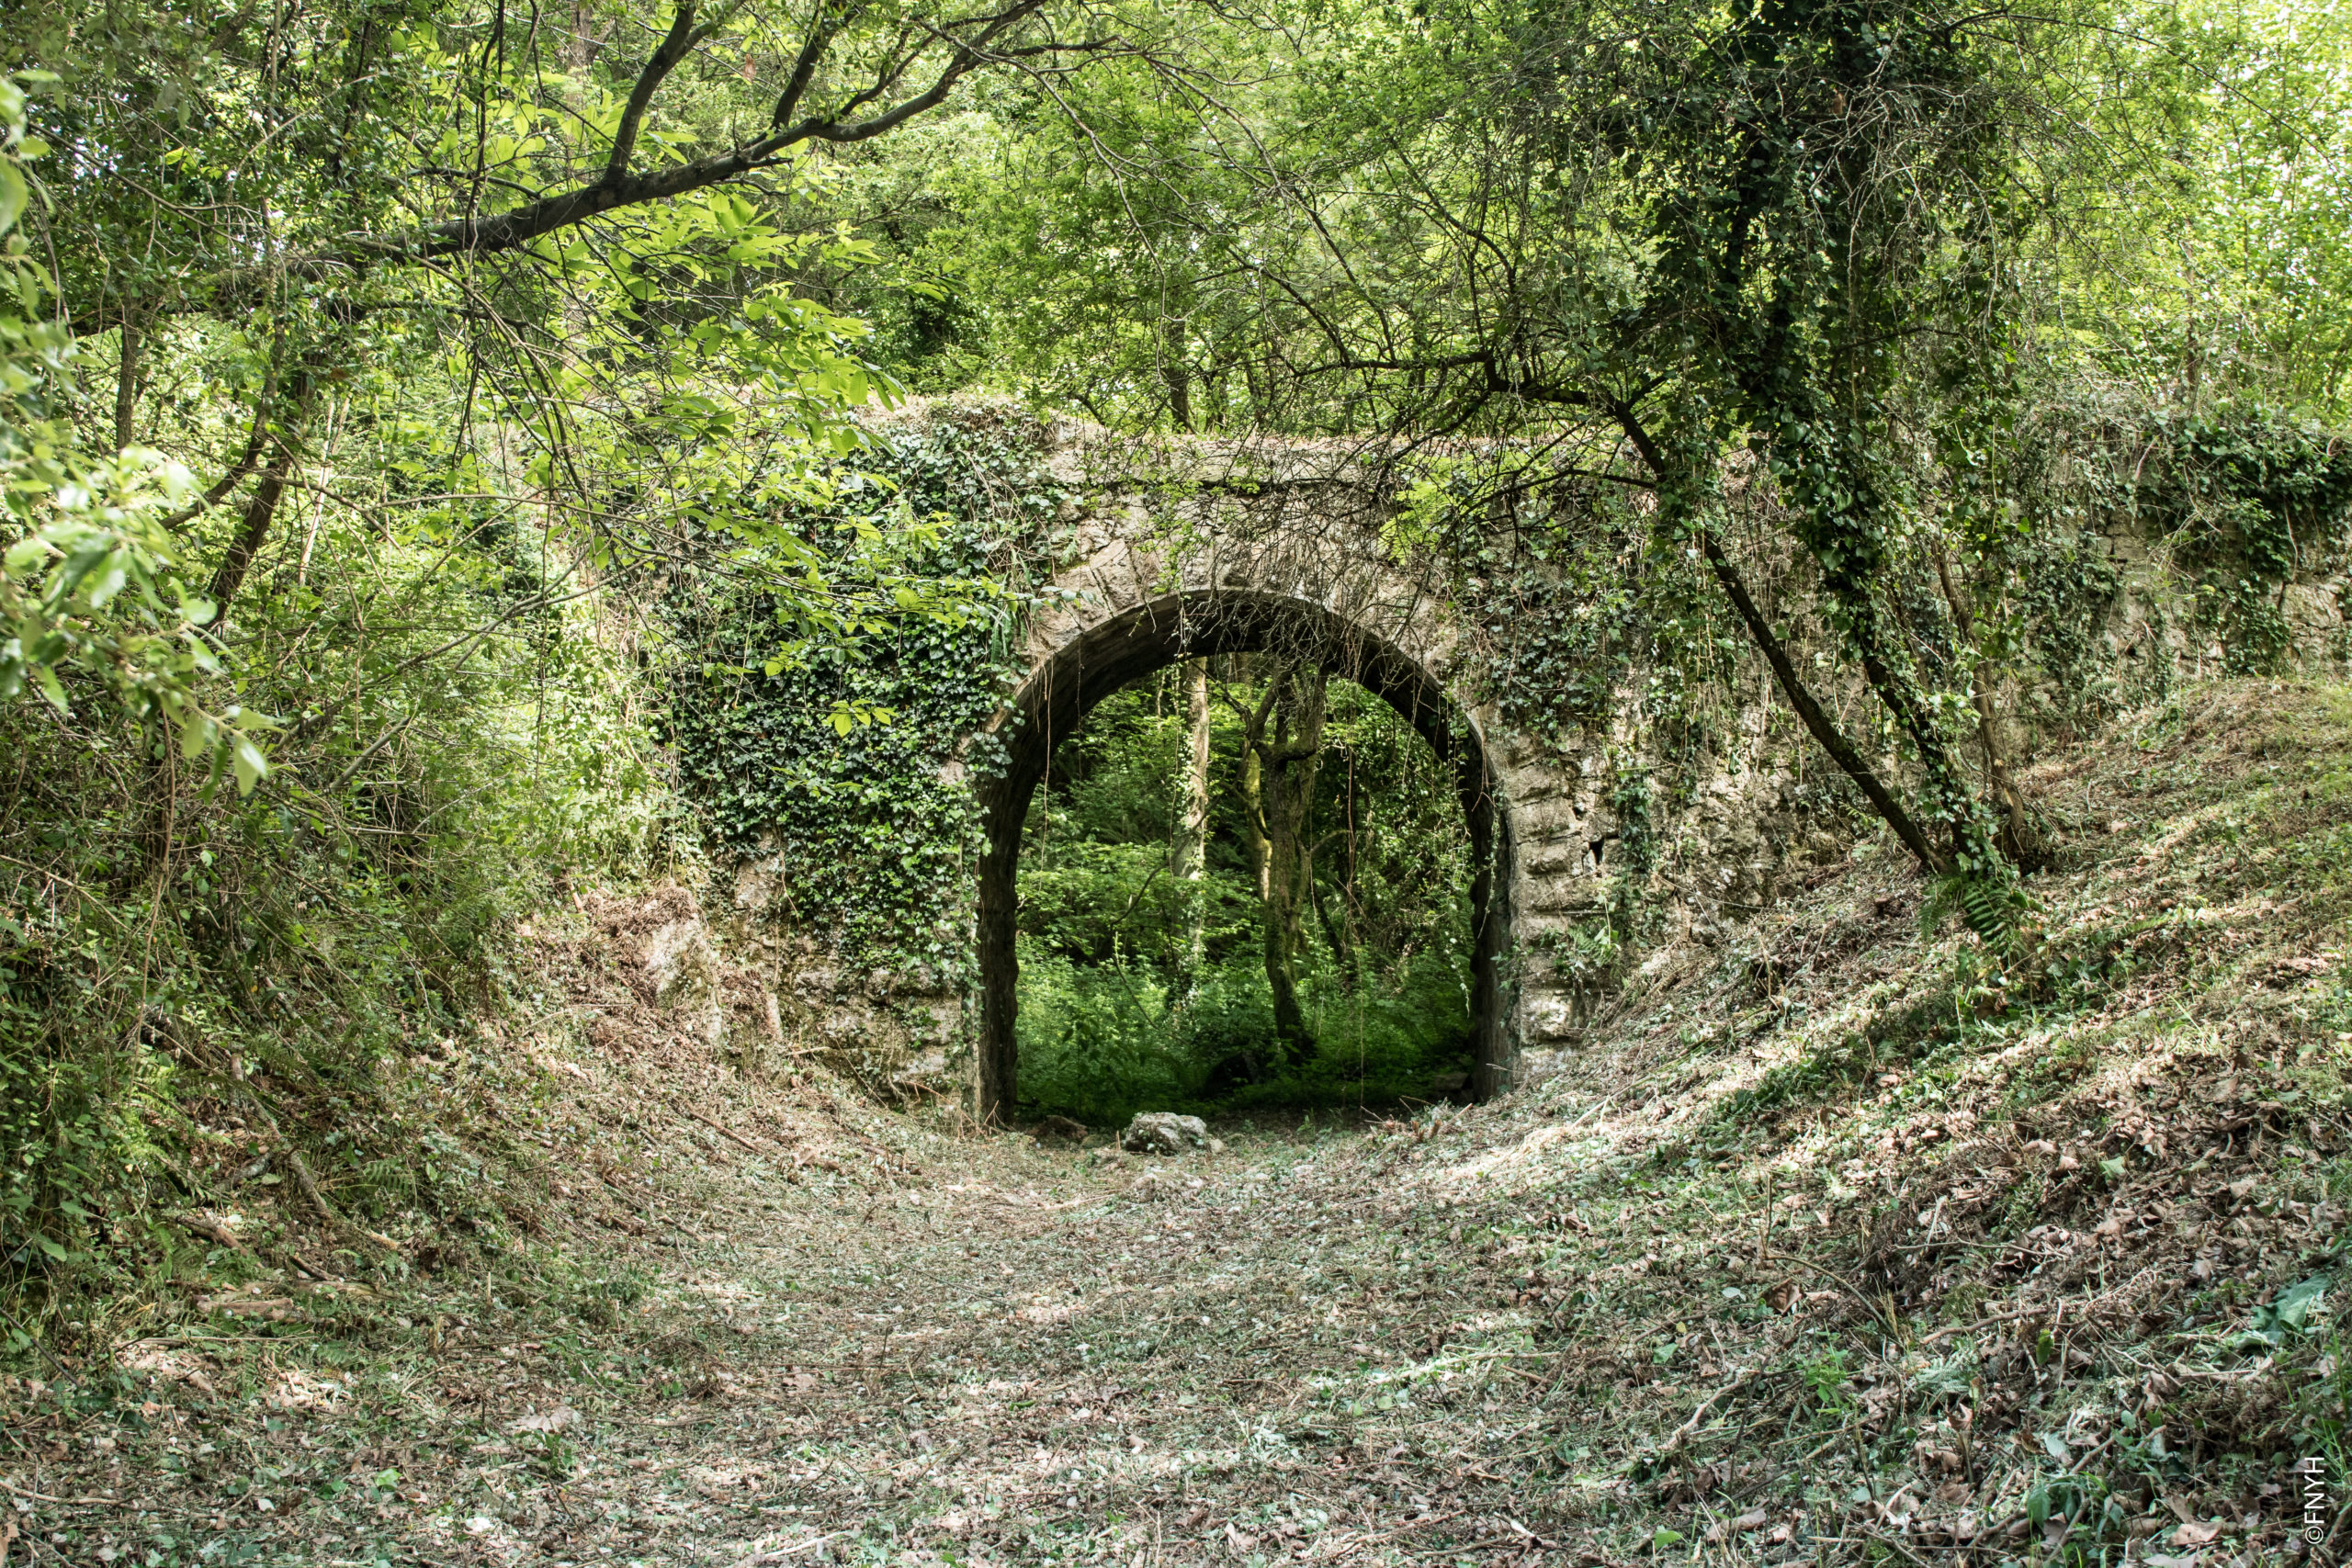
(1159, 550)
(1141, 552)
(1192, 546)
(1092, 658)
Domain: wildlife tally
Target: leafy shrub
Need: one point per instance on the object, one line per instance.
(1102, 1042)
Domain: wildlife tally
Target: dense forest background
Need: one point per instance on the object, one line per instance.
(390, 391)
(1146, 987)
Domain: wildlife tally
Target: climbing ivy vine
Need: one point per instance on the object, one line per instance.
(844, 761)
(2257, 499)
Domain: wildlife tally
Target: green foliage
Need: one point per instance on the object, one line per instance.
(1114, 1018)
(825, 749)
(90, 585)
(1995, 910)
(1102, 1042)
(1901, 270)
(2065, 584)
(428, 504)
(2228, 140)
(2259, 499)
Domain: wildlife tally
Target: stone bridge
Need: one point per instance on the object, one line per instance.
(1165, 550)
(1172, 550)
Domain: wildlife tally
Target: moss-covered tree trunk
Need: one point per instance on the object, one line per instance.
(1189, 856)
(1287, 764)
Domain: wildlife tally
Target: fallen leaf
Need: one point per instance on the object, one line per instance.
(554, 1420)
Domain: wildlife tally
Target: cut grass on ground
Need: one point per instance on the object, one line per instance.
(1845, 1244)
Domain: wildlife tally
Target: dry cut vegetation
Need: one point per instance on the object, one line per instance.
(1848, 1243)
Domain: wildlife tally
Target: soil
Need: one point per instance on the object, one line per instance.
(1846, 1241)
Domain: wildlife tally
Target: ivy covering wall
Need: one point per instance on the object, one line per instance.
(838, 759)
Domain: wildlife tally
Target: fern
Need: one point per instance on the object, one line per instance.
(1995, 909)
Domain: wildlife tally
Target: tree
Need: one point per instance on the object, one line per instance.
(1188, 857)
(604, 222)
(373, 373)
(1650, 243)
(1282, 742)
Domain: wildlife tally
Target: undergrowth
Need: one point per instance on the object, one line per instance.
(1100, 1041)
(1844, 1241)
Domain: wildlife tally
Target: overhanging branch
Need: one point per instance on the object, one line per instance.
(969, 45)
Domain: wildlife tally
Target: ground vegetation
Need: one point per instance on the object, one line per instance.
(1855, 1243)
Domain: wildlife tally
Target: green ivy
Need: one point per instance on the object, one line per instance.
(833, 754)
(2066, 585)
(2258, 498)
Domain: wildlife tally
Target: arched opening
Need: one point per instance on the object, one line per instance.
(1055, 700)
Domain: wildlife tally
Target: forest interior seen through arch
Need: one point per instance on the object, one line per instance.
(1225, 830)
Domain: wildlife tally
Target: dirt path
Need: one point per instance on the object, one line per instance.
(1009, 1355)
(1051, 1361)
(1837, 1246)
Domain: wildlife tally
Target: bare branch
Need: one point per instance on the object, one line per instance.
(244, 463)
(968, 46)
(664, 60)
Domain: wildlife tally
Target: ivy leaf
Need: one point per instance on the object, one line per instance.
(2291, 1311)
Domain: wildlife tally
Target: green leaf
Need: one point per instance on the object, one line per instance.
(24, 552)
(251, 765)
(2290, 1310)
(112, 579)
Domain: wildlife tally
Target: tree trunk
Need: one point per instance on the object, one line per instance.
(1816, 722)
(1253, 813)
(262, 508)
(126, 384)
(1288, 763)
(1189, 856)
(1683, 478)
(252, 532)
(2018, 840)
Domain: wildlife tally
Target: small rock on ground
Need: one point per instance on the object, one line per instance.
(1163, 1133)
